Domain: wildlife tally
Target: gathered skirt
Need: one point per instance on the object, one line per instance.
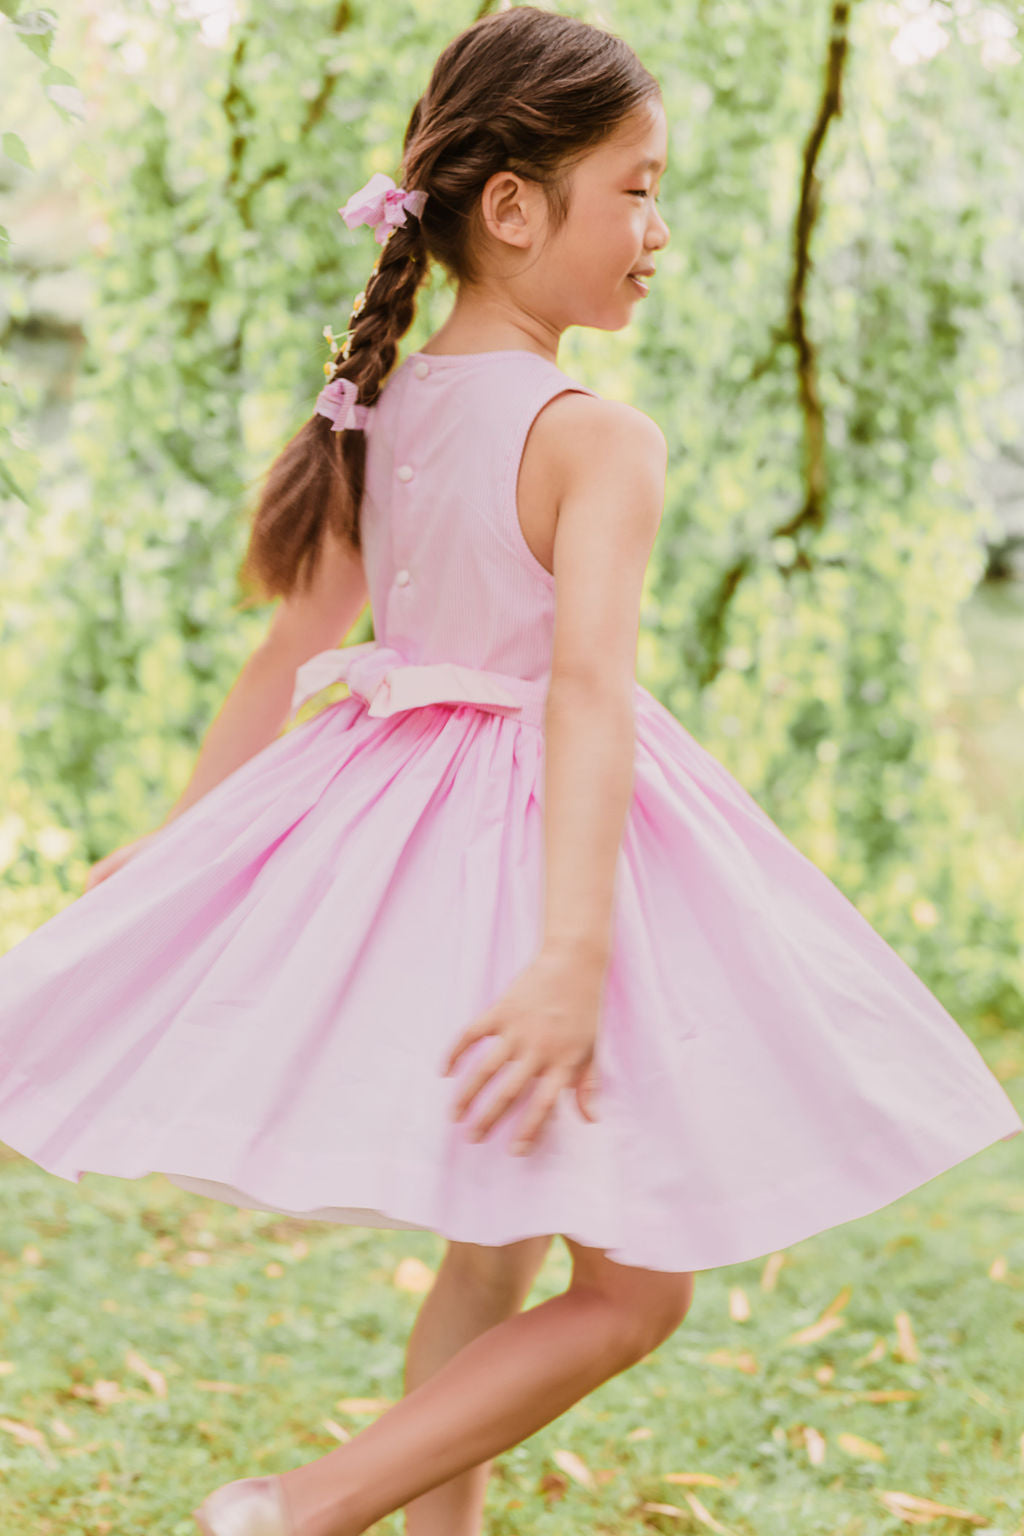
(259, 1005)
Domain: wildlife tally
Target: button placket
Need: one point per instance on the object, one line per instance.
(404, 472)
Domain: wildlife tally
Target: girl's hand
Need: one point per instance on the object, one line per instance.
(105, 867)
(547, 1026)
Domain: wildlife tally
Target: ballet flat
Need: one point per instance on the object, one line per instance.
(250, 1506)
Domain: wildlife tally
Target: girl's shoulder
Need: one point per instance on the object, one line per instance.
(574, 430)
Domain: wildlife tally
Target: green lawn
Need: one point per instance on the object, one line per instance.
(156, 1344)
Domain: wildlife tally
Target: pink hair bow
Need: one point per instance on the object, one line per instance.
(338, 401)
(381, 204)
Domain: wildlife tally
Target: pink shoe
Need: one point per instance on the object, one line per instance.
(250, 1506)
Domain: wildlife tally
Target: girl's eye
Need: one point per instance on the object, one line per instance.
(642, 192)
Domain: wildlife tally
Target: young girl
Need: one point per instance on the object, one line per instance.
(490, 947)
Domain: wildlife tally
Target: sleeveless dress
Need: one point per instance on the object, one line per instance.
(259, 1004)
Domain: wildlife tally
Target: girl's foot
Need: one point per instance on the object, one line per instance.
(249, 1506)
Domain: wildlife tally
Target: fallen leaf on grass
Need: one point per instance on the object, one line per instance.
(363, 1404)
(705, 1479)
(853, 1445)
(642, 1432)
(575, 1466)
(907, 1344)
(553, 1487)
(814, 1443)
(874, 1354)
(828, 1321)
(100, 1391)
(25, 1434)
(839, 1301)
(915, 1510)
(219, 1386)
(156, 1379)
(770, 1272)
(741, 1360)
(335, 1429)
(413, 1275)
(704, 1515)
(815, 1331)
(739, 1304)
(700, 1512)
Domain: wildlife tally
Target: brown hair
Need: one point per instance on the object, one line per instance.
(522, 89)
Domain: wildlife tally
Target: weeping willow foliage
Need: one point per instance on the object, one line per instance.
(826, 341)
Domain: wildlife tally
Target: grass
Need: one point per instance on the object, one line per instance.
(156, 1344)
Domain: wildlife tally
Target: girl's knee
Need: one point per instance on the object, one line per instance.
(645, 1306)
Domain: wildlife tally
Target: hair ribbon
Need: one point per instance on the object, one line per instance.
(382, 205)
(337, 400)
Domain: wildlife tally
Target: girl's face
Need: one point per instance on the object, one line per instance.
(613, 228)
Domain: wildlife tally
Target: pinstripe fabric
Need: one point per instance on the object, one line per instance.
(443, 458)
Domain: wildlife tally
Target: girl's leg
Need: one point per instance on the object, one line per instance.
(476, 1287)
(495, 1392)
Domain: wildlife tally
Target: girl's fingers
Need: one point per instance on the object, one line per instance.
(518, 1075)
(536, 1115)
(469, 1036)
(479, 1076)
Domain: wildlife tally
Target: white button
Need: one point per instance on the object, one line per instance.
(404, 472)
(421, 370)
(402, 578)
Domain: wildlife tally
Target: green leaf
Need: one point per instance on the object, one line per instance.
(14, 486)
(14, 149)
(55, 75)
(36, 30)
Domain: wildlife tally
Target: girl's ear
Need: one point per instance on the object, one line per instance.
(506, 208)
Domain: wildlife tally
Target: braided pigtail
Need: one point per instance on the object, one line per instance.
(316, 482)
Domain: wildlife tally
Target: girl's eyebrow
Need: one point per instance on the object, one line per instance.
(650, 164)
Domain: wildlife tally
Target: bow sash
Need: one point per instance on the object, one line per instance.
(382, 676)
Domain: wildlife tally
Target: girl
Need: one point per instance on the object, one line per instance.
(492, 946)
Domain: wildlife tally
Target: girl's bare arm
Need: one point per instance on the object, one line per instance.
(258, 704)
(611, 478)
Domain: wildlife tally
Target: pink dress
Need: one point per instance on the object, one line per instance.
(259, 1004)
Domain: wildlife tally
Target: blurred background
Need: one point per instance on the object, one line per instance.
(833, 347)
(834, 607)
